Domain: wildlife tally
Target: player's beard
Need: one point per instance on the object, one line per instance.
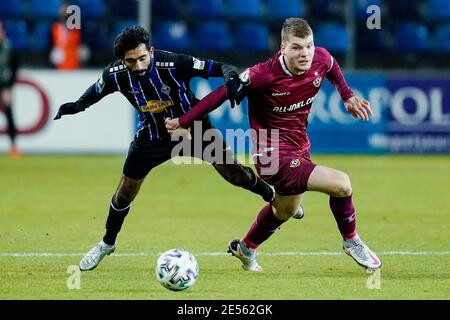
(139, 74)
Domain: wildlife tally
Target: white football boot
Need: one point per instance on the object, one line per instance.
(363, 256)
(91, 260)
(248, 261)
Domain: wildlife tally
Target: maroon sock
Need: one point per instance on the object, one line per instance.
(345, 215)
(265, 225)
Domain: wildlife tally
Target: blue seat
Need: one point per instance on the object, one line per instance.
(121, 9)
(244, 8)
(405, 10)
(438, 9)
(46, 9)
(90, 8)
(252, 37)
(168, 8)
(412, 37)
(281, 9)
(206, 8)
(212, 36)
(441, 38)
(17, 32)
(10, 9)
(171, 35)
(332, 36)
(326, 9)
(40, 37)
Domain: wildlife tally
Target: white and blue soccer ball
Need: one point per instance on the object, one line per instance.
(176, 269)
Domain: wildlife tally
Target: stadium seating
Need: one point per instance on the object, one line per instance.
(412, 37)
(438, 9)
(97, 36)
(252, 37)
(212, 36)
(333, 36)
(169, 9)
(281, 9)
(206, 8)
(90, 8)
(405, 10)
(10, 9)
(171, 36)
(326, 10)
(441, 38)
(124, 9)
(40, 37)
(44, 9)
(17, 32)
(244, 8)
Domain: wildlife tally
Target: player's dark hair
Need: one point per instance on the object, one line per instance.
(129, 39)
(296, 27)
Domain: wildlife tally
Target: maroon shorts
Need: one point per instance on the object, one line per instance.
(292, 175)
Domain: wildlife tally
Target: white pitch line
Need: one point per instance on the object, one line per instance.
(145, 254)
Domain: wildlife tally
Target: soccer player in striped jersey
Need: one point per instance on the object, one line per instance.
(156, 83)
(280, 94)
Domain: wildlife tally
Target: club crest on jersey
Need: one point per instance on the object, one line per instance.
(156, 106)
(295, 163)
(165, 89)
(317, 82)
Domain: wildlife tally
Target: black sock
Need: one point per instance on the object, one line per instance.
(11, 125)
(114, 223)
(260, 187)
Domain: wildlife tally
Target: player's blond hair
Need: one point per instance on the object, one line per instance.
(296, 27)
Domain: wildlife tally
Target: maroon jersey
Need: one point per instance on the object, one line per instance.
(282, 101)
(279, 100)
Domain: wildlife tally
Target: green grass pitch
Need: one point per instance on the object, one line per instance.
(57, 205)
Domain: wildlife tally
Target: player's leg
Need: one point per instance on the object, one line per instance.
(268, 221)
(5, 96)
(223, 160)
(337, 185)
(142, 157)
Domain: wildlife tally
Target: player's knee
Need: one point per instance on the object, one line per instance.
(343, 185)
(284, 213)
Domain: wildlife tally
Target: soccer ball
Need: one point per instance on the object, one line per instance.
(176, 269)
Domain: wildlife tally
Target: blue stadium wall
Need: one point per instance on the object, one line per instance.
(411, 115)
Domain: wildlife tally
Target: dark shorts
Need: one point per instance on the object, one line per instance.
(292, 175)
(145, 154)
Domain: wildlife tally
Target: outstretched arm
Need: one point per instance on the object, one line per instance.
(210, 102)
(355, 105)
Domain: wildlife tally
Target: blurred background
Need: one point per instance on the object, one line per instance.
(394, 53)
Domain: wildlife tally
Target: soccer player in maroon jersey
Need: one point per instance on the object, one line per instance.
(280, 94)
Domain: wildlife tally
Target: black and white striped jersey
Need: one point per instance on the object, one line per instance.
(163, 92)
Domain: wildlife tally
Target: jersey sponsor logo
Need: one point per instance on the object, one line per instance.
(199, 64)
(156, 106)
(277, 94)
(294, 106)
(317, 82)
(295, 163)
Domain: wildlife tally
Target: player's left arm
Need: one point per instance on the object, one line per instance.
(357, 106)
(191, 67)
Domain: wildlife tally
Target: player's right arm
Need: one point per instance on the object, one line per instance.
(104, 86)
